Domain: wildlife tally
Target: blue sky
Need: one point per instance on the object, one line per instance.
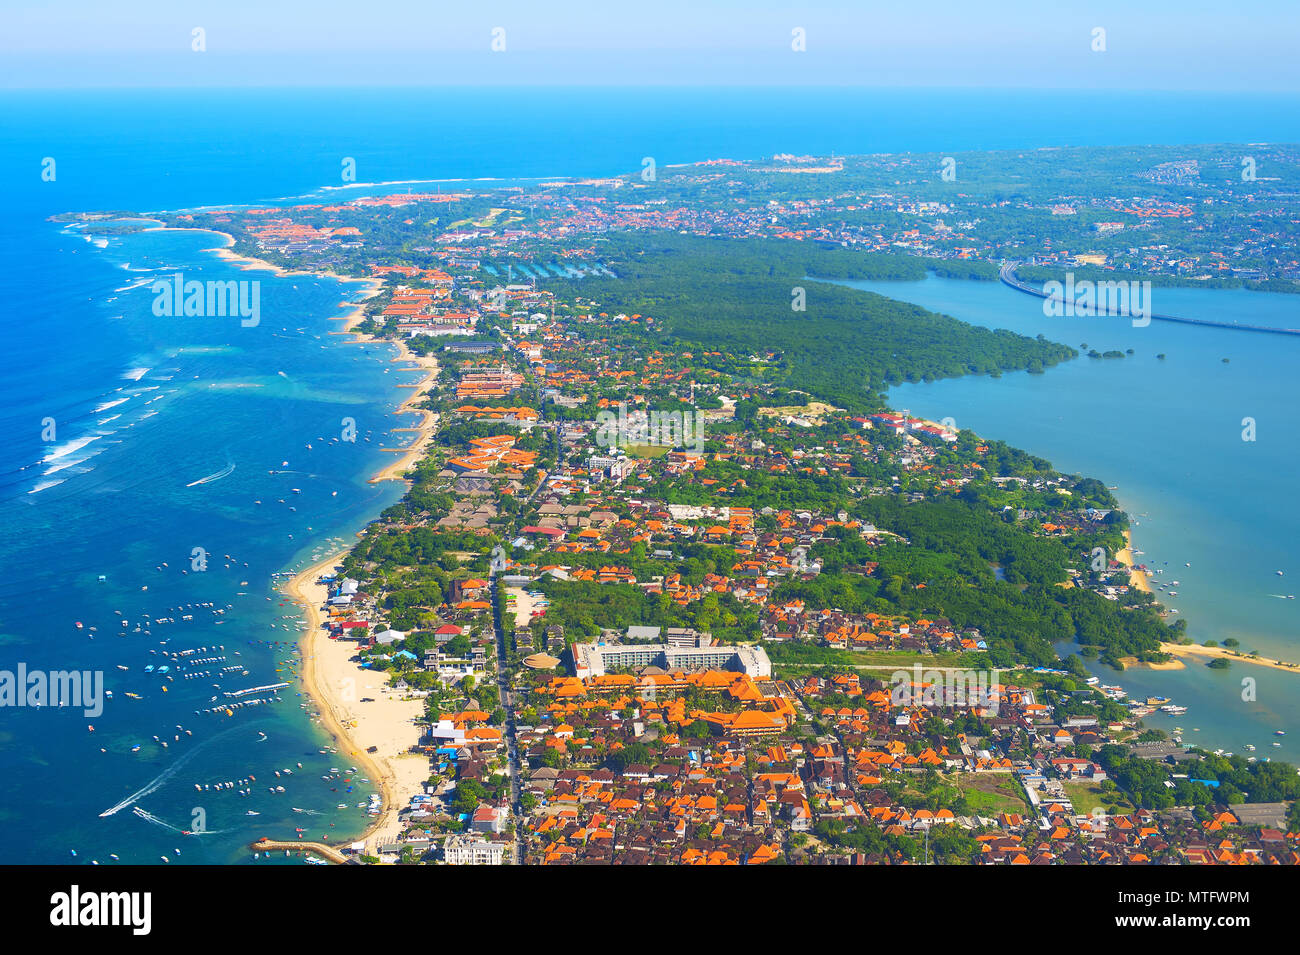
(1248, 45)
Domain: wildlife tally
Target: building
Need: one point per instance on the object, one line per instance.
(682, 638)
(445, 733)
(489, 818)
(473, 850)
(596, 659)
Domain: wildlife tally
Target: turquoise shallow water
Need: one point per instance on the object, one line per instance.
(1168, 432)
(192, 398)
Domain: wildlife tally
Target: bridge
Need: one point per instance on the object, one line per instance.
(1008, 276)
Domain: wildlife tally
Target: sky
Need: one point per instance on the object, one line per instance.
(1247, 45)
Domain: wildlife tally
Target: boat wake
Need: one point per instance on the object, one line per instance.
(214, 476)
(164, 824)
(161, 779)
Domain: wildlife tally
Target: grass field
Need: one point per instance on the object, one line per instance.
(647, 450)
(988, 794)
(901, 659)
(1087, 796)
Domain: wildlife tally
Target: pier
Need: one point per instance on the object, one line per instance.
(328, 853)
(1007, 274)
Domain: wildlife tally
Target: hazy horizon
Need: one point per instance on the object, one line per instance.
(1166, 46)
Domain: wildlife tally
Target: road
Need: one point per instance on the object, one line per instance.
(508, 704)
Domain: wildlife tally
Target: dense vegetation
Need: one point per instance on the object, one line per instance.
(737, 295)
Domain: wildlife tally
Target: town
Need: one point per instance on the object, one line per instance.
(797, 627)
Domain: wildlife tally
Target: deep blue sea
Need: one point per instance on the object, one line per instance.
(111, 414)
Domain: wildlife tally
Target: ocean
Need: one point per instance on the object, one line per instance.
(138, 445)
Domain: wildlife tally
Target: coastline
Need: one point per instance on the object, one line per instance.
(337, 684)
(1136, 578)
(1236, 656)
(1181, 650)
(1174, 664)
(249, 263)
(409, 456)
(330, 677)
(1140, 581)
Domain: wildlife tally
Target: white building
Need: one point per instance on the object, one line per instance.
(596, 659)
(472, 850)
(445, 732)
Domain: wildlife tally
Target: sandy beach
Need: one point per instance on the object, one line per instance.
(1174, 664)
(1137, 579)
(338, 685)
(1140, 581)
(1236, 656)
(250, 263)
(408, 456)
(356, 310)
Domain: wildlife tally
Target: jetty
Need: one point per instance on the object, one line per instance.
(328, 853)
(1008, 277)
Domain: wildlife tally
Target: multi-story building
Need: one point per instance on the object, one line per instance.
(473, 850)
(596, 659)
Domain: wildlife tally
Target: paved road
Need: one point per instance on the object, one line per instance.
(508, 704)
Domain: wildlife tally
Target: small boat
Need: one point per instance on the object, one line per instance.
(1279, 732)
(252, 813)
(1157, 700)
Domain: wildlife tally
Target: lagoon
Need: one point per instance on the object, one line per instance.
(1210, 509)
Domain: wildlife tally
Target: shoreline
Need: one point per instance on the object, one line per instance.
(330, 678)
(1174, 664)
(1140, 581)
(335, 684)
(249, 263)
(424, 431)
(410, 455)
(1137, 579)
(1236, 656)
